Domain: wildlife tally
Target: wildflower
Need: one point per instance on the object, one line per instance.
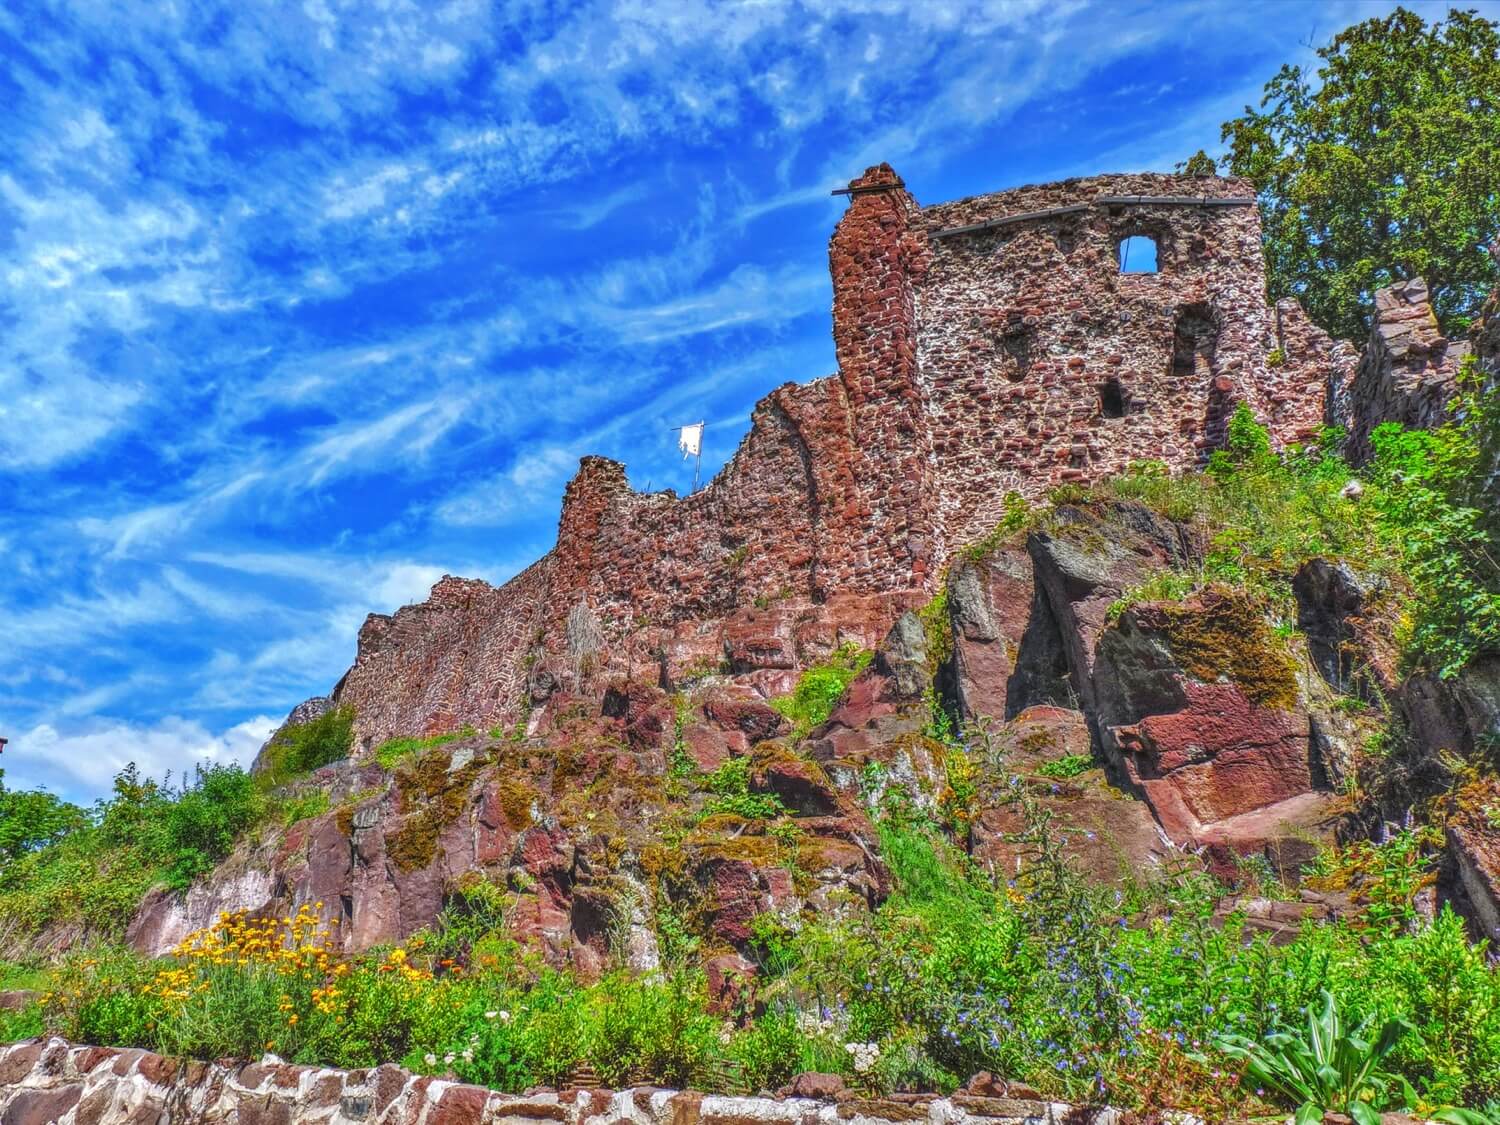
(430, 1059)
(864, 1056)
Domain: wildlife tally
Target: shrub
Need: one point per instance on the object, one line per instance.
(300, 749)
(93, 877)
(1428, 483)
(1335, 1067)
(204, 821)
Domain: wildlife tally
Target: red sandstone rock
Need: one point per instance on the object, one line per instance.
(1200, 707)
(1408, 371)
(800, 784)
(731, 981)
(643, 710)
(754, 720)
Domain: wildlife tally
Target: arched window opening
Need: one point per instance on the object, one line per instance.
(1137, 254)
(1112, 399)
(1194, 341)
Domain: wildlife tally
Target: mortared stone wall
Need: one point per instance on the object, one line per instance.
(985, 346)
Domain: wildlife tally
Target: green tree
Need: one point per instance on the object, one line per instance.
(32, 819)
(1199, 164)
(1384, 168)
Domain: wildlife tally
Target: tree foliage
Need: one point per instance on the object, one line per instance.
(1384, 168)
(32, 819)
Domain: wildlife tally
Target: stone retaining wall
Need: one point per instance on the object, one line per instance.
(47, 1082)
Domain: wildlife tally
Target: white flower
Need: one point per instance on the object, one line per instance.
(864, 1055)
(491, 1014)
(430, 1059)
(448, 1059)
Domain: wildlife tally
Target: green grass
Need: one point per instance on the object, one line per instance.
(302, 807)
(820, 688)
(390, 752)
(1070, 766)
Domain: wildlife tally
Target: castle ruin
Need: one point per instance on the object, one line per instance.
(988, 346)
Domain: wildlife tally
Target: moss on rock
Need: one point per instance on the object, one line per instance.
(1221, 635)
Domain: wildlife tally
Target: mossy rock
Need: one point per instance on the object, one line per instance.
(1222, 635)
(517, 800)
(758, 850)
(661, 863)
(432, 798)
(414, 845)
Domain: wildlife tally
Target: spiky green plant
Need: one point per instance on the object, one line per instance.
(1332, 1067)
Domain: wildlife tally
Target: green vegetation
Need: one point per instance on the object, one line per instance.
(33, 819)
(85, 872)
(146, 834)
(393, 751)
(820, 688)
(298, 750)
(1410, 521)
(1070, 765)
(1333, 1068)
(1132, 995)
(1381, 169)
(730, 786)
(1428, 486)
(304, 806)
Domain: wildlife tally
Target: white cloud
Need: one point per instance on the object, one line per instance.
(80, 761)
(536, 477)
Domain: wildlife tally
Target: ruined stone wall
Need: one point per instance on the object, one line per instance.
(1042, 362)
(972, 363)
(52, 1083)
(459, 657)
(1409, 369)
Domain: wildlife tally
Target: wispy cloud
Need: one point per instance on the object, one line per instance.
(302, 306)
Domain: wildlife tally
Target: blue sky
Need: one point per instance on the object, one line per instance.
(304, 305)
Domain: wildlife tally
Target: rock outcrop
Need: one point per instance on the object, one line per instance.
(570, 822)
(1195, 706)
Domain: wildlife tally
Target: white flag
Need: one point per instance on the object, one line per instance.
(690, 440)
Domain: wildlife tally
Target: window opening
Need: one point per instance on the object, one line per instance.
(1137, 254)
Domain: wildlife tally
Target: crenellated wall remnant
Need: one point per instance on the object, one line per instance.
(988, 346)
